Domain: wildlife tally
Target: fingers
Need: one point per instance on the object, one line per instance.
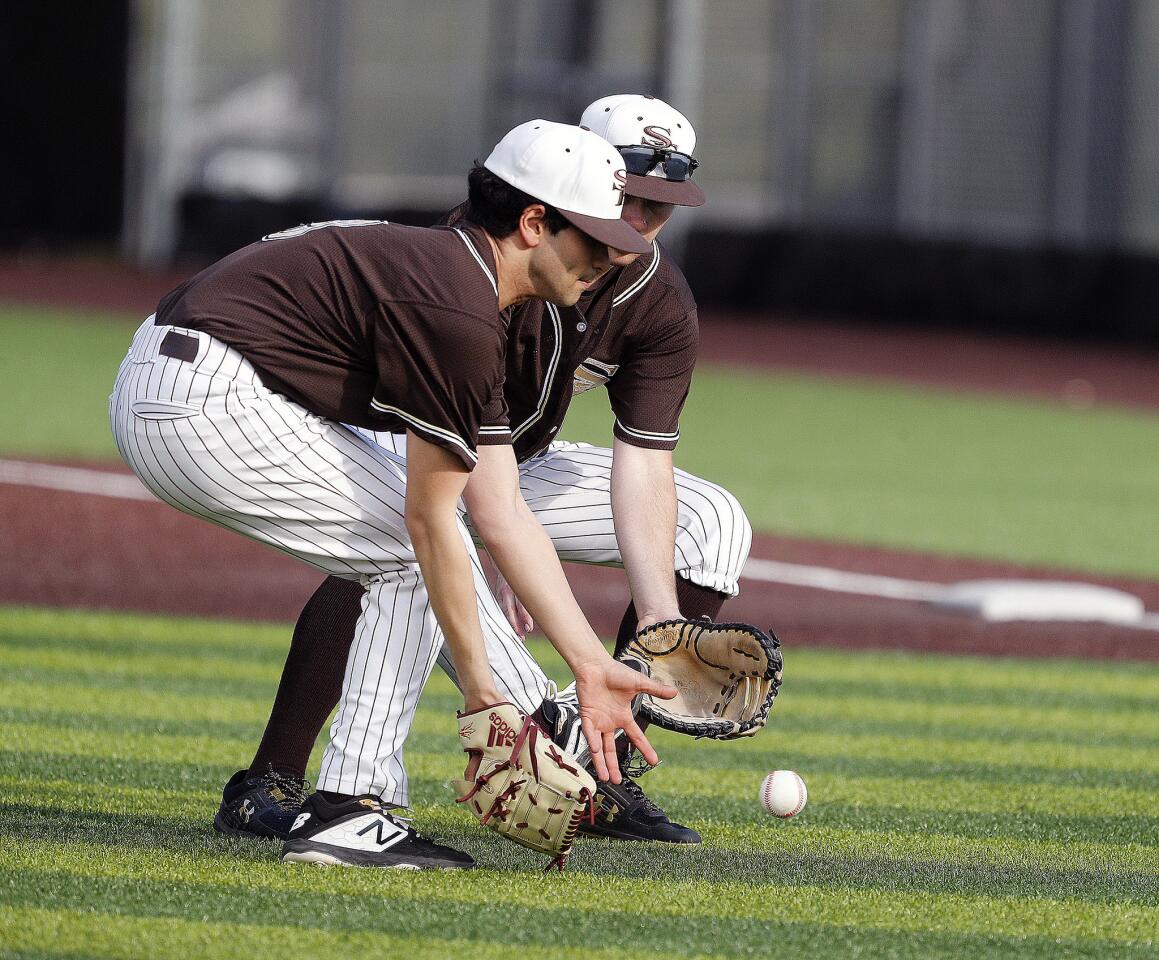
(656, 688)
(595, 741)
(525, 617)
(636, 735)
(611, 761)
(514, 611)
(511, 609)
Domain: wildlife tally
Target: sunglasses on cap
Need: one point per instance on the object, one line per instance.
(640, 160)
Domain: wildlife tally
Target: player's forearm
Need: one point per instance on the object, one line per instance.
(446, 569)
(644, 513)
(527, 559)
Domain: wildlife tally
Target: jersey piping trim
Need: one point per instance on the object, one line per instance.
(424, 427)
(494, 430)
(649, 273)
(646, 435)
(482, 263)
(557, 323)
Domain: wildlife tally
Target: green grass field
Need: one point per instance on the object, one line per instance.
(954, 811)
(958, 807)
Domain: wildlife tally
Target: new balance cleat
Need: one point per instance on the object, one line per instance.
(364, 832)
(262, 807)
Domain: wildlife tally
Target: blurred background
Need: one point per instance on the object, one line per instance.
(985, 162)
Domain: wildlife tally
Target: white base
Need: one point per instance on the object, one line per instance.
(1040, 600)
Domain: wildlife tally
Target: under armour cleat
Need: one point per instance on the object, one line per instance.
(262, 807)
(364, 832)
(625, 812)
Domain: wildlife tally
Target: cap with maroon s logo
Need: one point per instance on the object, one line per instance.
(632, 120)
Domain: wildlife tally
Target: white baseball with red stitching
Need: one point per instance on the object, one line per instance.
(783, 794)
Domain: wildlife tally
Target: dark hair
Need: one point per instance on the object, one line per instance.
(496, 206)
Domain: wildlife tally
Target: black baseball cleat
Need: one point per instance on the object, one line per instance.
(364, 832)
(262, 807)
(625, 812)
(561, 720)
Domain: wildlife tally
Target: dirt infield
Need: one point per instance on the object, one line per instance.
(83, 550)
(90, 551)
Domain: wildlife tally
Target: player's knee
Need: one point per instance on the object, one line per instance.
(720, 519)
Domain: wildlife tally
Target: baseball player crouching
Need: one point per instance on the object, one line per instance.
(635, 334)
(236, 403)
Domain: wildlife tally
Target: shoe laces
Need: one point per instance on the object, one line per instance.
(294, 789)
(634, 765)
(633, 789)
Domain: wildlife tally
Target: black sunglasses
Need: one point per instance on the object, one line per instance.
(639, 160)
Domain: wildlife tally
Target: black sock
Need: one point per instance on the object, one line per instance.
(695, 601)
(311, 678)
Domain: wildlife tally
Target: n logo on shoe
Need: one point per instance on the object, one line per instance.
(247, 810)
(301, 819)
(386, 833)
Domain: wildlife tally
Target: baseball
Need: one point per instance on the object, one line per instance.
(783, 793)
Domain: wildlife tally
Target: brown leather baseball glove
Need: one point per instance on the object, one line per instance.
(728, 675)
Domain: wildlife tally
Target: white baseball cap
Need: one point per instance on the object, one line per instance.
(633, 120)
(573, 170)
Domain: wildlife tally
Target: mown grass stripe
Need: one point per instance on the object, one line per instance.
(931, 675)
(78, 933)
(1021, 724)
(817, 858)
(703, 813)
(691, 899)
(151, 667)
(82, 626)
(433, 756)
(937, 674)
(1025, 721)
(45, 738)
(196, 806)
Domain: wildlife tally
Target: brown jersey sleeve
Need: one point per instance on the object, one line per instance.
(655, 361)
(496, 427)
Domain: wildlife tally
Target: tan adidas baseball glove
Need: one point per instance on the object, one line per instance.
(520, 784)
(727, 673)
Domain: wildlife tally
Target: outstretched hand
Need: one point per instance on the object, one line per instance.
(606, 690)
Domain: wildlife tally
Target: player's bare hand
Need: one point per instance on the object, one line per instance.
(513, 610)
(606, 691)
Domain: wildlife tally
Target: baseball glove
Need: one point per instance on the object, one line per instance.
(727, 675)
(520, 784)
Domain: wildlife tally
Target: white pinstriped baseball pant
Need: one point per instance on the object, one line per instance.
(208, 438)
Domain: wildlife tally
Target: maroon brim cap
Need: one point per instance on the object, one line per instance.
(614, 233)
(683, 193)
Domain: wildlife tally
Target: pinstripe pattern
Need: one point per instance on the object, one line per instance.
(568, 488)
(208, 438)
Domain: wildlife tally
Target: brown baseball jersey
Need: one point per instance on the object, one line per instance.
(367, 323)
(636, 334)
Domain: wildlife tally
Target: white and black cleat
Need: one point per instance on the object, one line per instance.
(363, 832)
